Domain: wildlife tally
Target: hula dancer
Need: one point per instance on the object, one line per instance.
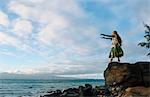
(116, 50)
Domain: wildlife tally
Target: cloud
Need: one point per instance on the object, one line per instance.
(94, 76)
(53, 30)
(4, 19)
(53, 21)
(19, 9)
(35, 1)
(22, 28)
(63, 69)
(6, 53)
(6, 39)
(56, 25)
(47, 9)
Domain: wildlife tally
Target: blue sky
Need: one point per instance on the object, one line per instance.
(61, 37)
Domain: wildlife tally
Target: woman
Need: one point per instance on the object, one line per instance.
(116, 50)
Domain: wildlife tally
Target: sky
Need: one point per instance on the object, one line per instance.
(62, 37)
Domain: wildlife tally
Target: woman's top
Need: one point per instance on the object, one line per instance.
(114, 41)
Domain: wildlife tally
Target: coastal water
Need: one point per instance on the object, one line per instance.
(37, 87)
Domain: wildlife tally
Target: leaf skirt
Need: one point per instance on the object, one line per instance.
(116, 52)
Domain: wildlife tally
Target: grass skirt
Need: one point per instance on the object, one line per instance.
(116, 52)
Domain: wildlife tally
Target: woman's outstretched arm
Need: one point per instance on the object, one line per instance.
(107, 35)
(107, 38)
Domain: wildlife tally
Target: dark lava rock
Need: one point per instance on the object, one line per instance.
(71, 92)
(81, 91)
(127, 75)
(56, 93)
(121, 76)
(136, 92)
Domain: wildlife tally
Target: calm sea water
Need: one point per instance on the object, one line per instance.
(35, 88)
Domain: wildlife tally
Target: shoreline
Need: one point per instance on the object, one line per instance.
(81, 91)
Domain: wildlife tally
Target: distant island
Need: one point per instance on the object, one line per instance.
(31, 76)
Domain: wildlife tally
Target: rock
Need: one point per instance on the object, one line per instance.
(127, 74)
(130, 80)
(102, 90)
(56, 93)
(145, 69)
(50, 91)
(87, 91)
(71, 92)
(136, 92)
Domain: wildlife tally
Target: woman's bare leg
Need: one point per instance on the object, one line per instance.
(118, 59)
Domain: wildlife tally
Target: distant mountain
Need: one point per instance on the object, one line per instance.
(30, 76)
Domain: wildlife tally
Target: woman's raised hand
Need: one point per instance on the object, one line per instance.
(102, 34)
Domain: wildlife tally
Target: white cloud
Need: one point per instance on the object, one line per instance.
(7, 53)
(4, 19)
(61, 69)
(52, 31)
(6, 39)
(93, 76)
(55, 25)
(47, 9)
(22, 28)
(36, 1)
(19, 9)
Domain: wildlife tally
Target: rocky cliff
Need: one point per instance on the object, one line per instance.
(128, 80)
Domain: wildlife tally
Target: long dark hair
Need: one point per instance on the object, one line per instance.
(118, 38)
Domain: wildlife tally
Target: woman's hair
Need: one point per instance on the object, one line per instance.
(118, 38)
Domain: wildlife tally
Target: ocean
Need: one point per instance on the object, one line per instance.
(37, 87)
